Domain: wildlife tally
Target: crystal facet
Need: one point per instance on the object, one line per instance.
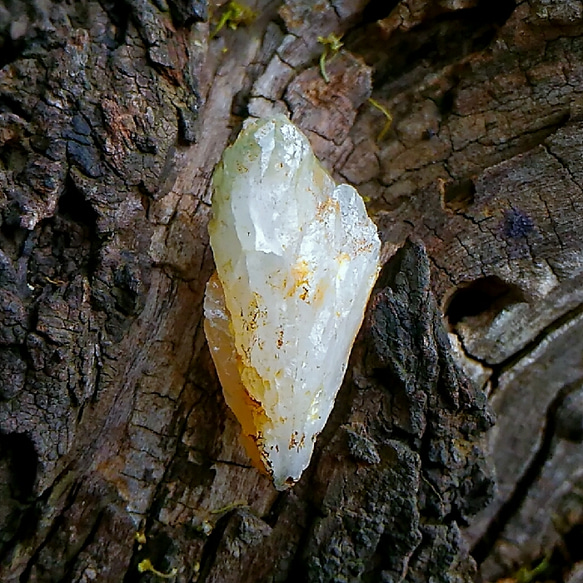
(296, 259)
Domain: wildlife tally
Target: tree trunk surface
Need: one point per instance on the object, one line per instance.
(119, 460)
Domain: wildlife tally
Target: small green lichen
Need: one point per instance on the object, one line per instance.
(233, 16)
(526, 575)
(228, 507)
(332, 44)
(208, 524)
(146, 565)
(387, 114)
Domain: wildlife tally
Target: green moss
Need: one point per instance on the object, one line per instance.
(233, 16)
(146, 565)
(387, 114)
(538, 573)
(332, 45)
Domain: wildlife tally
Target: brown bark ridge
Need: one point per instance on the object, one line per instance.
(119, 460)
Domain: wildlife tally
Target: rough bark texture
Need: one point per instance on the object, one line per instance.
(112, 117)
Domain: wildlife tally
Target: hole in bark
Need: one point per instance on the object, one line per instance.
(439, 38)
(68, 243)
(458, 196)
(240, 106)
(76, 230)
(446, 102)
(73, 205)
(12, 235)
(14, 157)
(377, 10)
(11, 50)
(16, 28)
(119, 14)
(496, 11)
(158, 549)
(19, 456)
(481, 300)
(573, 543)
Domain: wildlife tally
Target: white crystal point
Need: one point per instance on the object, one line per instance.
(296, 259)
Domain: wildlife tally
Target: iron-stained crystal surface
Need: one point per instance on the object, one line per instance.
(296, 258)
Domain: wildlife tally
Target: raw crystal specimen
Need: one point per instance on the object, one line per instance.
(296, 259)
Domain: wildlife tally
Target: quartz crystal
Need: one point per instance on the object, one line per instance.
(296, 258)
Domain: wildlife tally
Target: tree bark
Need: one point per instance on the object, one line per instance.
(119, 460)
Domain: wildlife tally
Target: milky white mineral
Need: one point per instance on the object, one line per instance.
(296, 259)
